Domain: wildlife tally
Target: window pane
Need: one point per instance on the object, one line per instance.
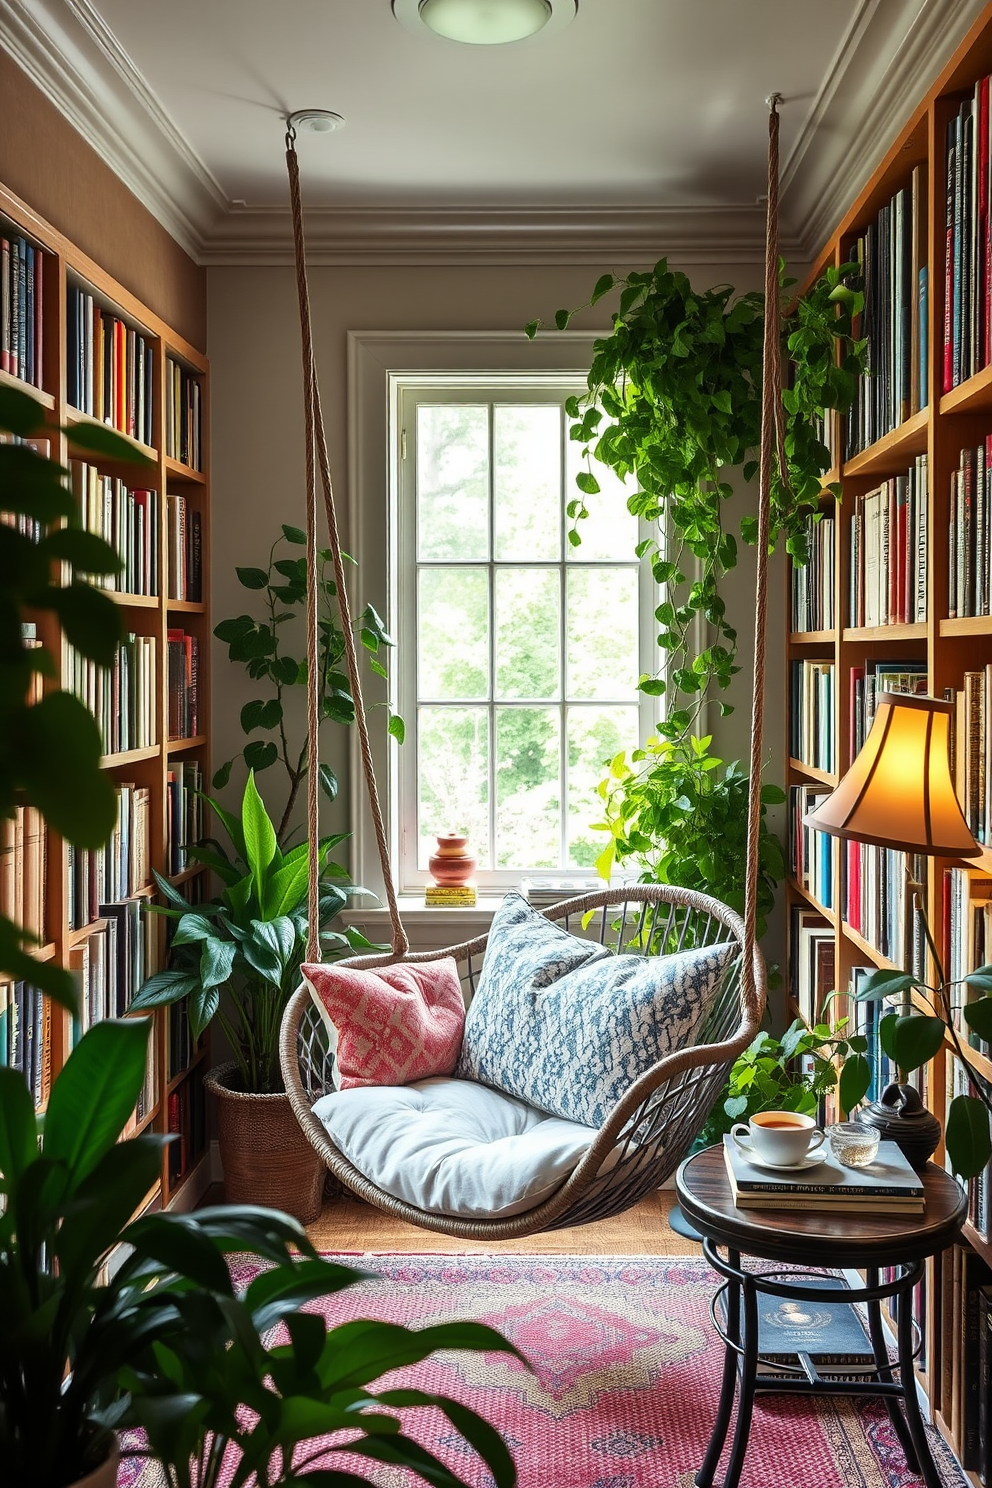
(528, 788)
(528, 635)
(601, 626)
(609, 531)
(453, 767)
(527, 482)
(595, 736)
(453, 633)
(452, 481)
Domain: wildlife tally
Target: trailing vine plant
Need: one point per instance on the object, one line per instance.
(673, 399)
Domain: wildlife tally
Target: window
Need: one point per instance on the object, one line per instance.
(518, 653)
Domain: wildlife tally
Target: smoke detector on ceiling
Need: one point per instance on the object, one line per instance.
(485, 22)
(315, 121)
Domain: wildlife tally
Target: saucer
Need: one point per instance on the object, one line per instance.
(810, 1160)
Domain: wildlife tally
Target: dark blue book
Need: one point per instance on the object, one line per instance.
(831, 1334)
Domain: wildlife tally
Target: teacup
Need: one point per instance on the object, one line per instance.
(779, 1137)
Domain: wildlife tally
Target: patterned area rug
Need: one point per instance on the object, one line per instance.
(625, 1382)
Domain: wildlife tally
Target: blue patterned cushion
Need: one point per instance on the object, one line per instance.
(567, 1026)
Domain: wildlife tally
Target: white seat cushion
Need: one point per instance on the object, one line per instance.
(454, 1147)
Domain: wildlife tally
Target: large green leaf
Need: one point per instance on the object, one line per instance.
(18, 1126)
(913, 1039)
(58, 749)
(978, 1016)
(87, 552)
(277, 1292)
(193, 927)
(271, 947)
(966, 1136)
(95, 1093)
(20, 413)
(163, 988)
(855, 1078)
(201, 1009)
(259, 836)
(104, 1202)
(287, 888)
(20, 966)
(216, 961)
(177, 1242)
(92, 622)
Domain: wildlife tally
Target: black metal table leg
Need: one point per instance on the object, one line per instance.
(749, 1373)
(881, 1352)
(706, 1474)
(904, 1331)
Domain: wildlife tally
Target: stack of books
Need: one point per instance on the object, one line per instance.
(450, 896)
(886, 1186)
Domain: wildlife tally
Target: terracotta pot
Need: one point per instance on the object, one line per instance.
(900, 1116)
(104, 1476)
(266, 1158)
(451, 865)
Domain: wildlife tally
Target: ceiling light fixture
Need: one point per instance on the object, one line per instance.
(484, 22)
(315, 121)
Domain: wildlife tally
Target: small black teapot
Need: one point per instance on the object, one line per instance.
(900, 1116)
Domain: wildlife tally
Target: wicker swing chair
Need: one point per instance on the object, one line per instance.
(651, 1128)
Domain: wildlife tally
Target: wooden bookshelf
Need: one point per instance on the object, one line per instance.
(149, 615)
(950, 645)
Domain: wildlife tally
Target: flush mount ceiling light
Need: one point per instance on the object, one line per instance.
(485, 22)
(315, 121)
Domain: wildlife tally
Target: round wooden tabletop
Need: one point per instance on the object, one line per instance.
(816, 1237)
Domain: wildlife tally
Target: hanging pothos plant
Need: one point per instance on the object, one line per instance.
(673, 400)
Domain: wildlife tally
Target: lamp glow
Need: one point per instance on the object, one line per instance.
(485, 22)
(898, 793)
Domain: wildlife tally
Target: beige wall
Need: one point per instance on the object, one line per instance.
(253, 344)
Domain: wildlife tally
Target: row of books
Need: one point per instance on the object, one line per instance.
(183, 415)
(117, 871)
(969, 568)
(111, 964)
(970, 749)
(122, 698)
(888, 572)
(187, 1117)
(180, 1048)
(21, 308)
(888, 1186)
(128, 520)
(184, 786)
(876, 902)
(183, 675)
(812, 714)
(26, 1035)
(109, 368)
(967, 928)
(813, 582)
(24, 870)
(967, 336)
(891, 257)
(812, 961)
(185, 542)
(810, 852)
(965, 1376)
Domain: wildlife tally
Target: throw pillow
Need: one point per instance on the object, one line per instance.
(567, 1026)
(393, 1024)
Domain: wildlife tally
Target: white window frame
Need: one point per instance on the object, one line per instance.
(380, 366)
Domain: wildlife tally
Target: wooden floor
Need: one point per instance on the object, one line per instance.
(349, 1225)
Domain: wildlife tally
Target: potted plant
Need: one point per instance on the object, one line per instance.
(161, 1340)
(237, 960)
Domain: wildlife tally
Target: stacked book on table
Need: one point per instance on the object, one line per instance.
(886, 1186)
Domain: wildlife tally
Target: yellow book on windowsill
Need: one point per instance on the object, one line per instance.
(451, 896)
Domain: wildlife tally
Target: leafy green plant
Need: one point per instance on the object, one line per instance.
(914, 1035)
(792, 1073)
(265, 649)
(165, 1342)
(250, 941)
(50, 750)
(680, 815)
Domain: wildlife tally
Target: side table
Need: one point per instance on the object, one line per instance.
(811, 1240)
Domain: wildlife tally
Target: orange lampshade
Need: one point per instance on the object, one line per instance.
(898, 792)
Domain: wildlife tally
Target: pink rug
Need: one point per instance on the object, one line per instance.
(625, 1383)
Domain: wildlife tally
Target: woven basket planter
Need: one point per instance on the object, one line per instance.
(267, 1160)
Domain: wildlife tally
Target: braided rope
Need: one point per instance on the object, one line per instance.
(316, 439)
(770, 437)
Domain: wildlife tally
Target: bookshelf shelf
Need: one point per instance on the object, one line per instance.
(887, 633)
(931, 477)
(47, 400)
(87, 926)
(130, 757)
(185, 607)
(177, 1080)
(194, 871)
(824, 776)
(176, 470)
(176, 746)
(890, 454)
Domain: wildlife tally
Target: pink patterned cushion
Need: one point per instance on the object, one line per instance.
(395, 1024)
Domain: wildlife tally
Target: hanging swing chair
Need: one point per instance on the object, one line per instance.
(650, 1126)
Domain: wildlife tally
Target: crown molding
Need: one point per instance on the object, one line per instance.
(861, 108)
(492, 235)
(78, 64)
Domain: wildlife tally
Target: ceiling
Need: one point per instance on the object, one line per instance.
(640, 118)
